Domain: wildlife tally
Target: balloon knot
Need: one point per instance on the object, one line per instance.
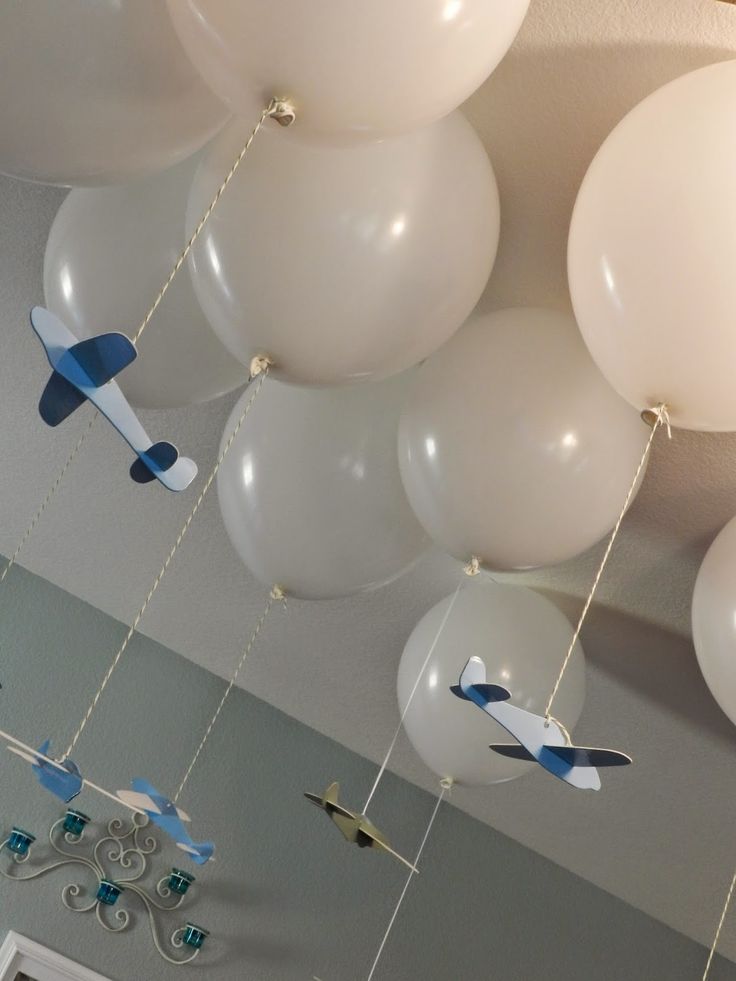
(282, 110)
(277, 593)
(447, 783)
(658, 416)
(473, 567)
(259, 364)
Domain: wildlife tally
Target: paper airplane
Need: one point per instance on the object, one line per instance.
(62, 777)
(540, 740)
(167, 816)
(85, 370)
(355, 828)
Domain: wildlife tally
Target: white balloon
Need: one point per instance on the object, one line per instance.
(523, 639)
(714, 619)
(109, 251)
(652, 252)
(97, 93)
(344, 264)
(310, 491)
(355, 70)
(513, 447)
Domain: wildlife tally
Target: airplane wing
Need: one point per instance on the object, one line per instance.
(59, 399)
(387, 848)
(196, 856)
(585, 756)
(513, 751)
(24, 755)
(143, 789)
(104, 356)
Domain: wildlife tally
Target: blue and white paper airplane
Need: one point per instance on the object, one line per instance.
(85, 370)
(166, 815)
(540, 740)
(62, 777)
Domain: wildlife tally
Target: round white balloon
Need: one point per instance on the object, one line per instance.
(97, 93)
(355, 70)
(513, 447)
(523, 639)
(108, 253)
(310, 491)
(652, 252)
(344, 264)
(714, 619)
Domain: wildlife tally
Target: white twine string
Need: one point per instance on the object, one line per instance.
(278, 109)
(413, 692)
(262, 366)
(660, 417)
(722, 920)
(446, 785)
(275, 594)
(47, 500)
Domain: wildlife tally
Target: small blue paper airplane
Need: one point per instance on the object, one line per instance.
(541, 740)
(167, 816)
(85, 370)
(62, 778)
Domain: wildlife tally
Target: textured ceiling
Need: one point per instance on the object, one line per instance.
(659, 835)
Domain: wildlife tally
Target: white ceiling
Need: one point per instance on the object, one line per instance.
(660, 834)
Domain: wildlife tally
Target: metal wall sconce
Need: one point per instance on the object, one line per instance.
(126, 850)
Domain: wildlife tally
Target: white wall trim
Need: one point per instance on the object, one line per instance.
(18, 953)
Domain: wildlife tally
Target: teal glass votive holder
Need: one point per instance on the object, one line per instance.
(19, 841)
(75, 823)
(108, 892)
(194, 936)
(180, 881)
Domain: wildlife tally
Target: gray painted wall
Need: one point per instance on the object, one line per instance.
(287, 898)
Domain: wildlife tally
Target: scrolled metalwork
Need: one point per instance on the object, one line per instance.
(125, 847)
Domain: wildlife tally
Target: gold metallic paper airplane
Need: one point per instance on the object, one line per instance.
(355, 828)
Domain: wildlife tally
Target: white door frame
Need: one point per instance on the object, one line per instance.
(18, 953)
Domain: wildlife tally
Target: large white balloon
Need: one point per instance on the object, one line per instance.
(355, 70)
(97, 93)
(513, 447)
(714, 619)
(349, 263)
(108, 253)
(652, 252)
(523, 639)
(310, 490)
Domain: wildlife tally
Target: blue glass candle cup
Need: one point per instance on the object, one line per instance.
(108, 892)
(180, 881)
(75, 822)
(194, 936)
(19, 841)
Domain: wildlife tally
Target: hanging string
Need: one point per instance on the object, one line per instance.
(276, 594)
(259, 368)
(283, 112)
(722, 920)
(278, 109)
(655, 417)
(413, 692)
(446, 785)
(47, 500)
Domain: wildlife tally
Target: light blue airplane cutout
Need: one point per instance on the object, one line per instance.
(167, 816)
(85, 370)
(540, 740)
(62, 778)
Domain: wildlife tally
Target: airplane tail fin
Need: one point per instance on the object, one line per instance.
(162, 462)
(473, 682)
(332, 794)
